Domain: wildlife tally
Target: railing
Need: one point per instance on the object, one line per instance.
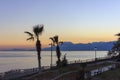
(13, 74)
(89, 60)
(18, 73)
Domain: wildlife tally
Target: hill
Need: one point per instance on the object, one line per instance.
(69, 46)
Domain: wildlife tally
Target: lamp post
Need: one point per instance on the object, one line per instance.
(52, 44)
(51, 54)
(95, 48)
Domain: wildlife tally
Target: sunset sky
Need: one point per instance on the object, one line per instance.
(77, 21)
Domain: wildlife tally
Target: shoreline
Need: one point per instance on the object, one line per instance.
(31, 71)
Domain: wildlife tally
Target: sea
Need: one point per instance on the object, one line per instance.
(10, 60)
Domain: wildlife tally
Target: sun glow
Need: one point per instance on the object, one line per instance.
(84, 22)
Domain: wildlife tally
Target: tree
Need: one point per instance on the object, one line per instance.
(58, 53)
(37, 29)
(116, 48)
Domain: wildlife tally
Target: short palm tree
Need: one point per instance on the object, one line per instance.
(37, 29)
(58, 53)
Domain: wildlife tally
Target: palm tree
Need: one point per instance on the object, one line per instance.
(37, 29)
(58, 53)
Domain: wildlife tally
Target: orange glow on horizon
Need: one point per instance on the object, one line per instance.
(45, 41)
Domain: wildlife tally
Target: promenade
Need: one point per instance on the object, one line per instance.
(54, 73)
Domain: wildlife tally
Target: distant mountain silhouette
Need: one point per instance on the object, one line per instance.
(69, 46)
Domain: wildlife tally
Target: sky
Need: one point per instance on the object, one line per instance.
(77, 21)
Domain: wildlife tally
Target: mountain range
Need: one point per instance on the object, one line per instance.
(69, 46)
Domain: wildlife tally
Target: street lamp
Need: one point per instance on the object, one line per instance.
(51, 54)
(52, 44)
(95, 48)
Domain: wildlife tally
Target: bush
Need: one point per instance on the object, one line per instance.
(64, 61)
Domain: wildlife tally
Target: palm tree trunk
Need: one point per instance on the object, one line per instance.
(38, 47)
(58, 52)
(58, 55)
(39, 60)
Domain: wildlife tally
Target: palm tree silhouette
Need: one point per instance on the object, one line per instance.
(37, 29)
(58, 53)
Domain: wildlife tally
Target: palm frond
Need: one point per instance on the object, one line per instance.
(31, 38)
(56, 38)
(30, 34)
(38, 29)
(35, 30)
(41, 29)
(117, 34)
(52, 39)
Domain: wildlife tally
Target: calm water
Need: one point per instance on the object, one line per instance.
(28, 59)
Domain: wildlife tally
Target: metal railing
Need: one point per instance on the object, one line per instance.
(17, 73)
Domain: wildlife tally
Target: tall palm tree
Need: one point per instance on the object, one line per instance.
(56, 41)
(37, 29)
